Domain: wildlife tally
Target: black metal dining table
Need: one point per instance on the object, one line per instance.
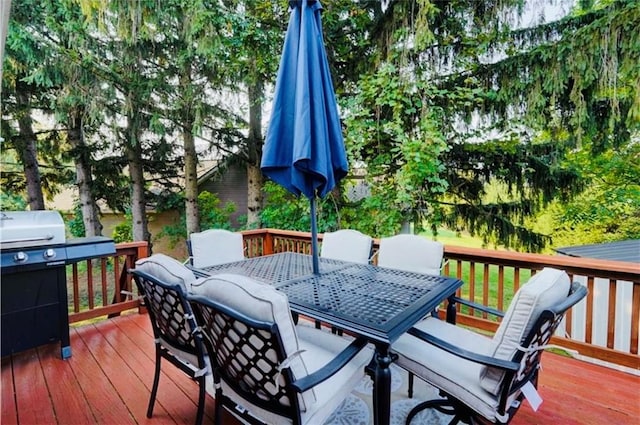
(379, 304)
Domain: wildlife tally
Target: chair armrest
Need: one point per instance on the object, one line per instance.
(331, 368)
(462, 353)
(477, 306)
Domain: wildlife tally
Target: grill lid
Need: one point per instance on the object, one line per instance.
(22, 229)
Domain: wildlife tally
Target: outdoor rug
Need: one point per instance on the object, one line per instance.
(356, 409)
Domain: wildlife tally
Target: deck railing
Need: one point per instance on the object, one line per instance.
(103, 287)
(605, 326)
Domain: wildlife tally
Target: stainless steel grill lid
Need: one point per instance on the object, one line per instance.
(22, 229)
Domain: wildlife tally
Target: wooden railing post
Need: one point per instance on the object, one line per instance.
(267, 243)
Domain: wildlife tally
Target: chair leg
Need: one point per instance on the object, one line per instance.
(201, 398)
(156, 380)
(318, 324)
(336, 331)
(410, 390)
(217, 415)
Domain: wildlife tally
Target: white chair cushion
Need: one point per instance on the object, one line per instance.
(346, 245)
(167, 270)
(216, 246)
(411, 253)
(451, 373)
(261, 302)
(541, 292)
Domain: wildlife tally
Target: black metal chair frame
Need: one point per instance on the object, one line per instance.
(172, 319)
(516, 375)
(218, 321)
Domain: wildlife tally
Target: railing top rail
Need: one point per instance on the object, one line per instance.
(283, 233)
(611, 269)
(621, 269)
(129, 245)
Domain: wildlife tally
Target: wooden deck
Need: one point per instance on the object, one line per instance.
(108, 379)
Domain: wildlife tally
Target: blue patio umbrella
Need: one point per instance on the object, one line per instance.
(304, 150)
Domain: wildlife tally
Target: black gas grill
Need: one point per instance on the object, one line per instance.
(34, 252)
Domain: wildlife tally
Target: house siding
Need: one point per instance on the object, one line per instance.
(230, 186)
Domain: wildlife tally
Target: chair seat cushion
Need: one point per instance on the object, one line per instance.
(456, 376)
(540, 293)
(167, 269)
(319, 348)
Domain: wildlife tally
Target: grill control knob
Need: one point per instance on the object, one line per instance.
(20, 257)
(49, 254)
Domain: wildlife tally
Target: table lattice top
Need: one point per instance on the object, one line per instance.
(274, 268)
(376, 302)
(366, 293)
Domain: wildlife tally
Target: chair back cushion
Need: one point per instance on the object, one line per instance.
(411, 253)
(166, 269)
(216, 246)
(172, 326)
(541, 292)
(260, 302)
(346, 245)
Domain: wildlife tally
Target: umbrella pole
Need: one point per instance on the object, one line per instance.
(314, 237)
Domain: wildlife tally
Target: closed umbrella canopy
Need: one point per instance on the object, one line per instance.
(304, 149)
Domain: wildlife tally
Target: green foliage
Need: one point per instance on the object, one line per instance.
(609, 207)
(123, 232)
(12, 202)
(442, 102)
(76, 224)
(396, 138)
(212, 216)
(284, 211)
(461, 101)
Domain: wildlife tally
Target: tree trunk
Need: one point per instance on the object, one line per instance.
(84, 180)
(192, 212)
(191, 183)
(28, 151)
(255, 180)
(136, 175)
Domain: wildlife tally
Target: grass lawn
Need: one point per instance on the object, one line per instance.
(449, 237)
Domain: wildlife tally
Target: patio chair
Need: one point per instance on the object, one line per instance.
(347, 245)
(215, 246)
(485, 379)
(411, 253)
(163, 282)
(265, 369)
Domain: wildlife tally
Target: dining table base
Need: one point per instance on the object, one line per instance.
(380, 372)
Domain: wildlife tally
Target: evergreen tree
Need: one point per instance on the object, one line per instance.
(463, 100)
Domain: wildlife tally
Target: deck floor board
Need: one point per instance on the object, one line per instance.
(109, 377)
